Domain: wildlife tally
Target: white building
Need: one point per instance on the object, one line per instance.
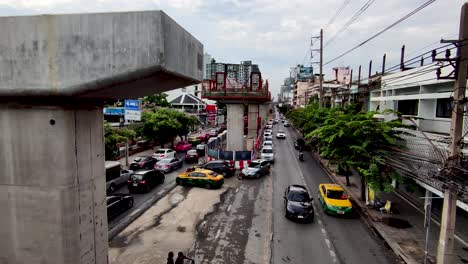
(417, 93)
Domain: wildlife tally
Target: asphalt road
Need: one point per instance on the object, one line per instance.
(329, 239)
(140, 198)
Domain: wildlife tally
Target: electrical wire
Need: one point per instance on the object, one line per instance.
(383, 30)
(333, 18)
(350, 21)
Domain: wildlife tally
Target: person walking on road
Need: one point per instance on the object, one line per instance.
(180, 258)
(170, 258)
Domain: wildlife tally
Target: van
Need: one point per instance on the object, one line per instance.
(115, 175)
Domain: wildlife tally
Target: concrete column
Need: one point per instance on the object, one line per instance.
(253, 114)
(52, 185)
(264, 111)
(235, 127)
(447, 229)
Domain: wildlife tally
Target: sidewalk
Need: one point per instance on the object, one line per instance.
(407, 242)
(147, 152)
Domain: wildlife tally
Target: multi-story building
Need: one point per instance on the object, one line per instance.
(236, 72)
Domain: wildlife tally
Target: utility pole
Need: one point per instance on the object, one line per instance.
(321, 68)
(447, 227)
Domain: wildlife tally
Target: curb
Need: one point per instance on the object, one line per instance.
(127, 220)
(366, 218)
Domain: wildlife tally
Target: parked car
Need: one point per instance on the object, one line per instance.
(144, 180)
(201, 178)
(334, 200)
(164, 154)
(281, 134)
(268, 137)
(267, 143)
(267, 154)
(194, 140)
(268, 126)
(118, 203)
(275, 121)
(256, 169)
(143, 162)
(115, 175)
(286, 124)
(200, 149)
(298, 203)
(203, 136)
(192, 156)
(168, 164)
(182, 146)
(220, 166)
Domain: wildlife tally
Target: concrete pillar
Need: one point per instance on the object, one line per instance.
(52, 185)
(447, 229)
(264, 111)
(235, 127)
(253, 114)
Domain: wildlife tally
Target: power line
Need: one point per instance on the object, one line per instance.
(345, 3)
(351, 21)
(383, 30)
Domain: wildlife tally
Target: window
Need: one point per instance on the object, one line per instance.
(444, 107)
(408, 107)
(335, 194)
(298, 197)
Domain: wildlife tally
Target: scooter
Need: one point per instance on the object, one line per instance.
(301, 156)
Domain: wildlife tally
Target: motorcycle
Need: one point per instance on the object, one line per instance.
(301, 156)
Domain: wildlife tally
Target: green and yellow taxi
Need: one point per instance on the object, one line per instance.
(201, 178)
(334, 200)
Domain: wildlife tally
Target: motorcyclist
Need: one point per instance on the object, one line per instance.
(301, 155)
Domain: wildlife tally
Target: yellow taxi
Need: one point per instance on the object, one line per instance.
(334, 200)
(201, 178)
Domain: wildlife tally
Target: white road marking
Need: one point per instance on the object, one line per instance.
(160, 192)
(323, 231)
(320, 222)
(328, 242)
(217, 233)
(229, 208)
(135, 212)
(237, 189)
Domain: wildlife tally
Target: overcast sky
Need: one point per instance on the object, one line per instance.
(276, 33)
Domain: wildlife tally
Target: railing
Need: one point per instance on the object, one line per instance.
(209, 90)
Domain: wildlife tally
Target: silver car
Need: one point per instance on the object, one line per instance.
(268, 154)
(168, 165)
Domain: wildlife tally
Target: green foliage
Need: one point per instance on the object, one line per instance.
(152, 101)
(114, 136)
(351, 139)
(163, 125)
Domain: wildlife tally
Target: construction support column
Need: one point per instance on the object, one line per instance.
(264, 111)
(253, 114)
(52, 185)
(235, 127)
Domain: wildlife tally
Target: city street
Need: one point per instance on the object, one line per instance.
(246, 223)
(141, 198)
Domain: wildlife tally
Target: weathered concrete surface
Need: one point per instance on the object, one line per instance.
(105, 55)
(170, 225)
(235, 126)
(52, 186)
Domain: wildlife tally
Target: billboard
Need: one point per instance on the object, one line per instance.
(305, 73)
(132, 110)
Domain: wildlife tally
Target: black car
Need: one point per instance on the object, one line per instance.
(144, 180)
(143, 162)
(117, 203)
(220, 166)
(298, 203)
(300, 144)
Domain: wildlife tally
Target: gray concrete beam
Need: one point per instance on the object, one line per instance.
(104, 55)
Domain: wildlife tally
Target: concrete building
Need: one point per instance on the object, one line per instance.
(416, 93)
(342, 75)
(55, 73)
(239, 73)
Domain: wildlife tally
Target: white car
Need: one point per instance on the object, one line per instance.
(268, 137)
(269, 126)
(281, 134)
(267, 154)
(164, 154)
(268, 143)
(268, 131)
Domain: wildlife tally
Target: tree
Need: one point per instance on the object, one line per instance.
(159, 126)
(152, 101)
(114, 136)
(355, 140)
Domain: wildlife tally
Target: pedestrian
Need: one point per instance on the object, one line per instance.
(170, 258)
(180, 258)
